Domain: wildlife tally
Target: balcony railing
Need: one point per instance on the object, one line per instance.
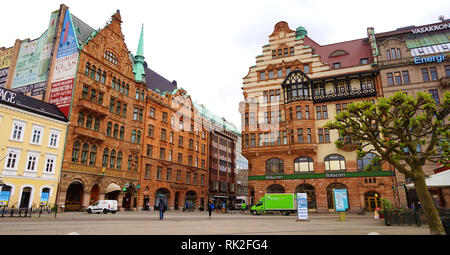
(91, 107)
(80, 131)
(348, 94)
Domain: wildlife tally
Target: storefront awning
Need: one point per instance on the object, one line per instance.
(438, 180)
(112, 187)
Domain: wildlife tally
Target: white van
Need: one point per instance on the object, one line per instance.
(104, 206)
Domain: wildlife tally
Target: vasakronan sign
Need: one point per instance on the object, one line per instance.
(430, 28)
(274, 177)
(7, 96)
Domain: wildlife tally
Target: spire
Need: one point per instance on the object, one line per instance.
(140, 50)
(139, 60)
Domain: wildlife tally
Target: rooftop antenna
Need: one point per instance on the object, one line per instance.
(441, 18)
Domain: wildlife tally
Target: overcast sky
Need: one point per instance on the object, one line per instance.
(208, 46)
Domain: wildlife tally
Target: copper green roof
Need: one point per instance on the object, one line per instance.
(427, 40)
(138, 68)
(205, 113)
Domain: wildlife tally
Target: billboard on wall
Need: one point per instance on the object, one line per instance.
(31, 72)
(5, 61)
(65, 67)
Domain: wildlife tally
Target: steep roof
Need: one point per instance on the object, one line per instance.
(157, 82)
(82, 30)
(226, 125)
(349, 53)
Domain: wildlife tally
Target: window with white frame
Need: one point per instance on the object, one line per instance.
(54, 138)
(36, 135)
(18, 130)
(50, 162)
(32, 161)
(12, 159)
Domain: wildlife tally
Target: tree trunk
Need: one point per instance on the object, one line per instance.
(434, 222)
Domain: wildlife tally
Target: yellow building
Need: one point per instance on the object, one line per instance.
(32, 136)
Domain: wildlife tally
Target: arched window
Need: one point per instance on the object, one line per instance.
(127, 89)
(122, 132)
(93, 155)
(116, 130)
(122, 88)
(93, 71)
(138, 138)
(133, 136)
(274, 166)
(119, 160)
(335, 162)
(99, 74)
(365, 161)
(89, 122)
(304, 164)
(311, 194)
(97, 124)
(104, 77)
(80, 119)
(76, 151)
(84, 153)
(87, 69)
(275, 188)
(113, 84)
(129, 162)
(138, 93)
(136, 164)
(105, 157)
(108, 129)
(112, 159)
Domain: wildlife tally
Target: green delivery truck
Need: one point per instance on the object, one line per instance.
(275, 203)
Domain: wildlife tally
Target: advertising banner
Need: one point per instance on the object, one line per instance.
(340, 200)
(44, 198)
(33, 60)
(65, 67)
(3, 77)
(302, 206)
(4, 198)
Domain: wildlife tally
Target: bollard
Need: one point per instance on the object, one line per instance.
(341, 216)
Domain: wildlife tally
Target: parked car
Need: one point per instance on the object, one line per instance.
(104, 206)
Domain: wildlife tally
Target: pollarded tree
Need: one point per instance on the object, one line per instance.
(405, 132)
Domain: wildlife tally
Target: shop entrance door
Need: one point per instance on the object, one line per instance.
(372, 200)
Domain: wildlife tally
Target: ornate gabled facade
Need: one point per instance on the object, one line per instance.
(294, 89)
(105, 136)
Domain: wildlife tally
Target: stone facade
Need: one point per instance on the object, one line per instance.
(294, 89)
(399, 57)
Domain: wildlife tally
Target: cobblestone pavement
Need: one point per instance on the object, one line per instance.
(198, 223)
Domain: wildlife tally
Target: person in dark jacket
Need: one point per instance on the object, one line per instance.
(162, 209)
(210, 208)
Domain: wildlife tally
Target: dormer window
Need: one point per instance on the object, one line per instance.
(337, 65)
(364, 61)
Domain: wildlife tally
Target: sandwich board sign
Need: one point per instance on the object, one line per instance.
(302, 206)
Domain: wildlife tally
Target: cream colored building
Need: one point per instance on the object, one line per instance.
(32, 137)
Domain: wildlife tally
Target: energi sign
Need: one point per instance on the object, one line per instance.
(431, 59)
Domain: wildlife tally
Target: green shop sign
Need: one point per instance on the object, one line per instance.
(319, 175)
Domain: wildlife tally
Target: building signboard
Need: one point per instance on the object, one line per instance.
(33, 61)
(430, 59)
(302, 206)
(7, 96)
(421, 30)
(4, 198)
(340, 200)
(65, 67)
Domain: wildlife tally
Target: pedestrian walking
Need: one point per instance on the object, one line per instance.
(162, 209)
(210, 208)
(244, 208)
